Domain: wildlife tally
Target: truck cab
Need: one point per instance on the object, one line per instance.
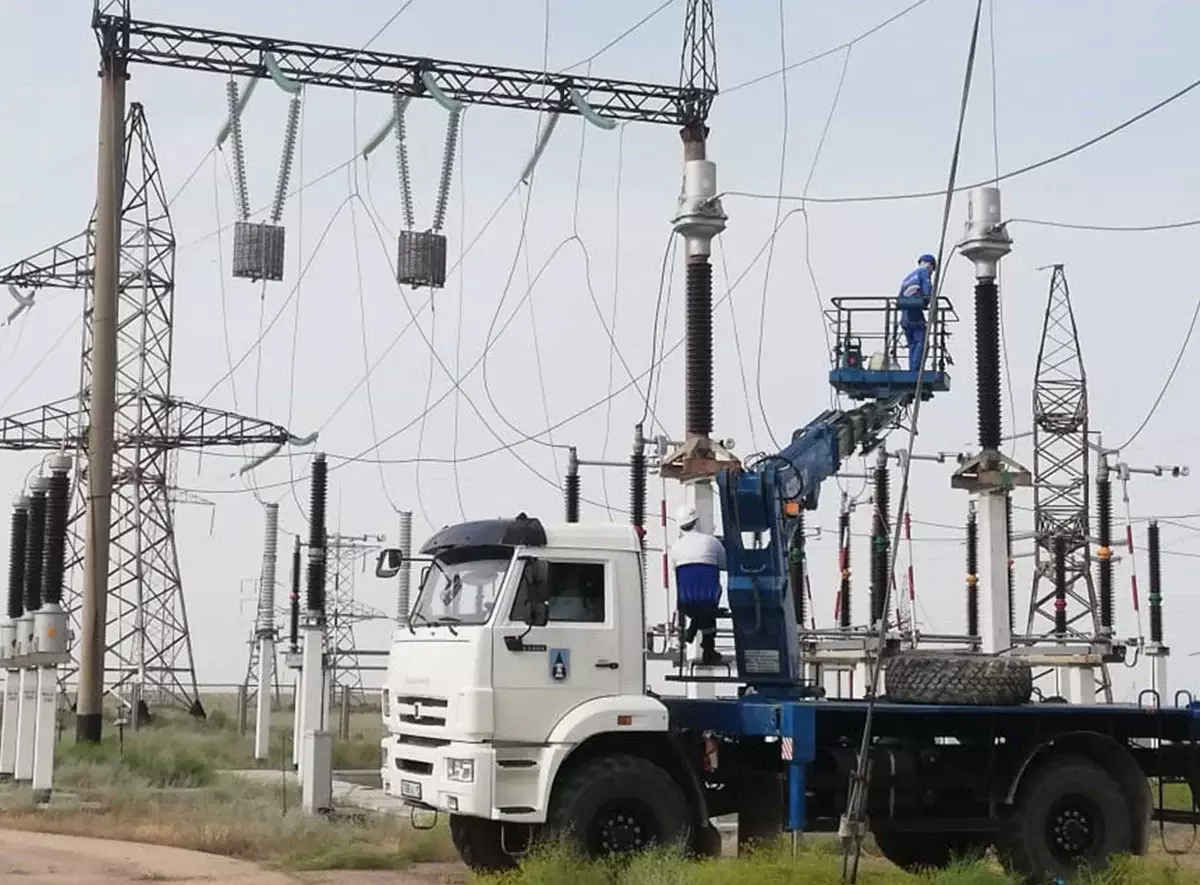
(524, 643)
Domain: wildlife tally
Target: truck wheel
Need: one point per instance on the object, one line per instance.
(931, 677)
(619, 804)
(913, 852)
(1069, 812)
(481, 843)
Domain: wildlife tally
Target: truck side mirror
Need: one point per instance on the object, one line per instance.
(389, 563)
(537, 593)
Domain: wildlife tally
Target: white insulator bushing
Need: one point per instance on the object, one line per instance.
(700, 216)
(8, 639)
(266, 590)
(985, 240)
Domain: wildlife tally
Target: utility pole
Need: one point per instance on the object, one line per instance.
(102, 393)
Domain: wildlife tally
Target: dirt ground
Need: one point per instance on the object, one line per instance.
(44, 859)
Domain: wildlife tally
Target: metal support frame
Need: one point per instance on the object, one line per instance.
(343, 611)
(146, 640)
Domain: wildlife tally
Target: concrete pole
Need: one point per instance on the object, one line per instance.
(102, 392)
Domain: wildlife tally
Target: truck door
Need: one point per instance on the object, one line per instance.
(574, 658)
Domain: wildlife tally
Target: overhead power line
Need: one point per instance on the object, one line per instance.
(1023, 170)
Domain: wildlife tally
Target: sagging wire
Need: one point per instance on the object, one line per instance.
(850, 829)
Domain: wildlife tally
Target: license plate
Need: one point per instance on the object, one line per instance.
(410, 789)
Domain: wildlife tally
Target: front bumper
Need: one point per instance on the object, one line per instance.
(512, 784)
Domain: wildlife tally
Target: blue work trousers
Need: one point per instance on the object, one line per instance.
(914, 335)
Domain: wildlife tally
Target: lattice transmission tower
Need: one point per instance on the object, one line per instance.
(1061, 464)
(344, 611)
(148, 651)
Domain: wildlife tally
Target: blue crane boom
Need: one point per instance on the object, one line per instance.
(761, 508)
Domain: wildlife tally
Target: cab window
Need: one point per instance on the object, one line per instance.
(576, 592)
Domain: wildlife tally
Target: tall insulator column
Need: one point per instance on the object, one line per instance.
(57, 505)
(637, 483)
(35, 552)
(987, 363)
(1012, 590)
(316, 538)
(294, 599)
(972, 573)
(572, 488)
(1155, 557)
(18, 543)
(880, 543)
(1104, 552)
(265, 620)
(844, 610)
(1060, 587)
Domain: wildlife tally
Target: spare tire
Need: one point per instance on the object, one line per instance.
(933, 677)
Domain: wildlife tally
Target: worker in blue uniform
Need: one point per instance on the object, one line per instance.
(699, 559)
(915, 294)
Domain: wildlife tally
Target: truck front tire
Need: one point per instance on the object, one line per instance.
(1069, 812)
(619, 804)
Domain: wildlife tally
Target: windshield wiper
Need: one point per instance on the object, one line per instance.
(447, 621)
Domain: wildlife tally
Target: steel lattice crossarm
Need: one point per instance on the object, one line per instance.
(172, 424)
(49, 427)
(180, 46)
(63, 266)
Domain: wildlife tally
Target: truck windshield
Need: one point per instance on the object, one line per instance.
(461, 586)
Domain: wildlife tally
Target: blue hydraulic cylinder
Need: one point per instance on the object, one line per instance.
(766, 640)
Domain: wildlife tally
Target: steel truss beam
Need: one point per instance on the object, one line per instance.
(367, 70)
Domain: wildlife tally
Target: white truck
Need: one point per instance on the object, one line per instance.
(516, 694)
(516, 702)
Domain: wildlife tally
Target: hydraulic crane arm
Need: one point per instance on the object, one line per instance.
(761, 511)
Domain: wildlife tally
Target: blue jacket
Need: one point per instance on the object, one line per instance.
(916, 284)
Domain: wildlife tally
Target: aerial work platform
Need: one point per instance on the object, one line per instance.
(871, 355)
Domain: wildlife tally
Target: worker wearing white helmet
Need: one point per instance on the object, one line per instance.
(699, 559)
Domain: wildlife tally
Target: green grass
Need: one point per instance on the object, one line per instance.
(163, 784)
(817, 863)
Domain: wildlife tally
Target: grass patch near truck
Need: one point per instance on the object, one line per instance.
(164, 786)
(817, 863)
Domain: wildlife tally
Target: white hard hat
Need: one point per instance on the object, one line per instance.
(686, 517)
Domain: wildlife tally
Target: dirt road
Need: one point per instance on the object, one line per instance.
(44, 859)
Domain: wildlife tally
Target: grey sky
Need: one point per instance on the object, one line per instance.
(1064, 73)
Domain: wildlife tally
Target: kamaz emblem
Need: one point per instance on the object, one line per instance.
(560, 664)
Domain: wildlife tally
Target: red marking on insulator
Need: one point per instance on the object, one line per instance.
(912, 585)
(666, 572)
(844, 558)
(1060, 604)
(662, 512)
(1129, 538)
(1133, 587)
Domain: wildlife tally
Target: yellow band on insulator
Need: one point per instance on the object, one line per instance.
(845, 573)
(1104, 553)
(972, 580)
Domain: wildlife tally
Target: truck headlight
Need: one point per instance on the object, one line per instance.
(460, 770)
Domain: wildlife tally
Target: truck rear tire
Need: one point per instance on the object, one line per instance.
(913, 852)
(1069, 811)
(619, 804)
(932, 677)
(481, 843)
